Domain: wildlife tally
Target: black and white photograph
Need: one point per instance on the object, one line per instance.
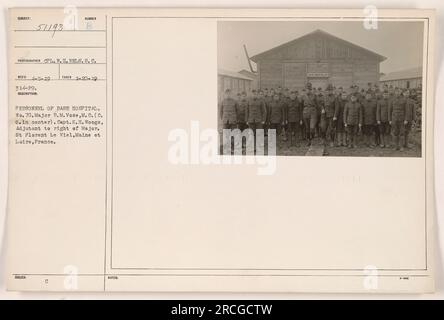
(230, 152)
(327, 88)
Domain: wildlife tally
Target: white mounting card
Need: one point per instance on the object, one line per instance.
(119, 126)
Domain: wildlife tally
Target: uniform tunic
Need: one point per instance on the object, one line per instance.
(309, 113)
(329, 106)
(294, 113)
(277, 111)
(339, 114)
(242, 109)
(353, 113)
(369, 112)
(410, 114)
(228, 110)
(256, 111)
(268, 100)
(397, 109)
(382, 109)
(397, 114)
(410, 110)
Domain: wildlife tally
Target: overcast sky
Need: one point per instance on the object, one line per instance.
(400, 42)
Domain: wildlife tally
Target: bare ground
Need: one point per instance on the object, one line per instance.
(414, 150)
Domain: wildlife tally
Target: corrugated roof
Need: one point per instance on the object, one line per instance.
(232, 74)
(403, 74)
(321, 32)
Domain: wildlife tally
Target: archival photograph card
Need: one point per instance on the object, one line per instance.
(221, 150)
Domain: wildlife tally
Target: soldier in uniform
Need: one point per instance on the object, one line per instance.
(327, 114)
(255, 113)
(361, 96)
(310, 116)
(397, 117)
(418, 99)
(279, 91)
(260, 95)
(339, 93)
(277, 115)
(287, 93)
(294, 117)
(382, 108)
(308, 86)
(302, 96)
(338, 119)
(285, 97)
(241, 110)
(228, 115)
(352, 119)
(228, 111)
(410, 117)
(354, 91)
(369, 120)
(319, 104)
(269, 96)
(391, 92)
(267, 101)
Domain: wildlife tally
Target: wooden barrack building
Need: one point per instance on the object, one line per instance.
(319, 58)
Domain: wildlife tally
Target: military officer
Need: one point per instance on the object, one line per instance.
(268, 100)
(277, 114)
(319, 104)
(327, 115)
(397, 117)
(391, 92)
(287, 93)
(410, 117)
(354, 90)
(339, 93)
(241, 110)
(338, 119)
(352, 119)
(369, 120)
(302, 96)
(382, 108)
(294, 117)
(255, 113)
(310, 116)
(279, 91)
(228, 116)
(261, 95)
(286, 101)
(228, 111)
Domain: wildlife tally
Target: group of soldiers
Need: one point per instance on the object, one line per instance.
(337, 117)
